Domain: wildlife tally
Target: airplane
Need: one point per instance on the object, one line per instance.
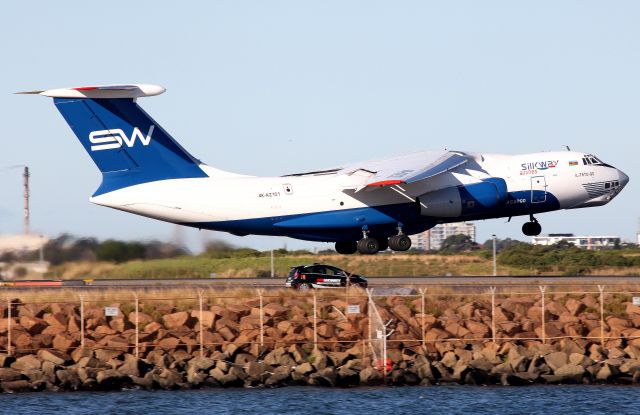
(363, 207)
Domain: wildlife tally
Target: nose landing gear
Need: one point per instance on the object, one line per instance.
(531, 228)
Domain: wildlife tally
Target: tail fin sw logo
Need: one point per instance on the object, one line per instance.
(112, 139)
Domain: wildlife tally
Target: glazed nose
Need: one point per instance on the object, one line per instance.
(624, 179)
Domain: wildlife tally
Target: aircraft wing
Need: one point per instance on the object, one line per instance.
(405, 169)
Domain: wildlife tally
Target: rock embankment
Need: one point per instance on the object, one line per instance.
(451, 341)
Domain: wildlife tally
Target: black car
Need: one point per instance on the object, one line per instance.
(304, 277)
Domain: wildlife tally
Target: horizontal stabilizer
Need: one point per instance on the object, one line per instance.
(102, 91)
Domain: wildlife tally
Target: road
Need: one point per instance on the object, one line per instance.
(374, 282)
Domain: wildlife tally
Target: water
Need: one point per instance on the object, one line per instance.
(308, 400)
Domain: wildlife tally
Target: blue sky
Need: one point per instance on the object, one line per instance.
(268, 88)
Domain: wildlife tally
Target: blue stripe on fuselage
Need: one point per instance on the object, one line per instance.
(382, 221)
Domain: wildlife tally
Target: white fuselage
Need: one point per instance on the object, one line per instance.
(296, 205)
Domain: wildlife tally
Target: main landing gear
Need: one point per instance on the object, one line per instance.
(531, 228)
(369, 246)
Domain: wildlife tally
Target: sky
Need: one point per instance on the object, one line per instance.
(275, 87)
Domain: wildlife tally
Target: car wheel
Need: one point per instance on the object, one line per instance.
(305, 286)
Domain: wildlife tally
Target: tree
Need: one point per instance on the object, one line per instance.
(458, 243)
(502, 244)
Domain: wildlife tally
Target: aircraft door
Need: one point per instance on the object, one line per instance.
(538, 189)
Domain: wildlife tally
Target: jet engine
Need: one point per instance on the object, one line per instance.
(464, 200)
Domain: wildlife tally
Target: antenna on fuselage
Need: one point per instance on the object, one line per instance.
(567, 147)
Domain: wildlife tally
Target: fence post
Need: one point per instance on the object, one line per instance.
(137, 325)
(9, 326)
(315, 321)
(261, 320)
(423, 292)
(493, 314)
(601, 289)
(81, 321)
(544, 332)
(200, 324)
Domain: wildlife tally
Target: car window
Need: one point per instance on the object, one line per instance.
(315, 269)
(334, 271)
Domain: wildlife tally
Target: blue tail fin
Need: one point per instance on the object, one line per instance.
(126, 144)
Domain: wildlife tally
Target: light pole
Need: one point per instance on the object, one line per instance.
(495, 269)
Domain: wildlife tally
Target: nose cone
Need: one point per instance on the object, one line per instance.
(624, 179)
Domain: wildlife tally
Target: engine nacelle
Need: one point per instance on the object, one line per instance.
(464, 200)
(443, 203)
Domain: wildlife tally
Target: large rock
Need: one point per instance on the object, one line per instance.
(168, 343)
(556, 308)
(324, 377)
(207, 318)
(53, 356)
(131, 366)
(176, 321)
(556, 360)
(33, 325)
(478, 329)
(6, 360)
(370, 377)
(68, 379)
(104, 355)
(304, 369)
(142, 318)
(281, 376)
(274, 310)
(57, 320)
(570, 373)
(258, 371)
(16, 386)
(449, 359)
(7, 374)
(574, 306)
(26, 363)
(402, 311)
(607, 372)
(201, 363)
(64, 342)
(111, 379)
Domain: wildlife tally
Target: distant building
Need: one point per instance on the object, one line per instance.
(21, 243)
(584, 242)
(434, 237)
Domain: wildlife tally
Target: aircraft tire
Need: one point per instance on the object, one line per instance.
(400, 242)
(346, 247)
(368, 246)
(383, 244)
(531, 228)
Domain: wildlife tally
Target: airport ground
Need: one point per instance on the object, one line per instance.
(569, 263)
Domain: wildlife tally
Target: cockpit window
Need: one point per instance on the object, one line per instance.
(589, 159)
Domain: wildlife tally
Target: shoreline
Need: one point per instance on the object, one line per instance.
(296, 339)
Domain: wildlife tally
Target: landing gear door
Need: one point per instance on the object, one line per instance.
(538, 189)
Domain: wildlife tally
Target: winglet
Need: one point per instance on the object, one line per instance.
(102, 91)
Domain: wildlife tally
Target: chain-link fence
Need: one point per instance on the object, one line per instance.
(375, 326)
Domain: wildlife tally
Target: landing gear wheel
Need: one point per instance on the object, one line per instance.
(531, 228)
(305, 286)
(400, 242)
(346, 247)
(383, 244)
(368, 246)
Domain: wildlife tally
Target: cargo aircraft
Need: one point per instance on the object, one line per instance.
(363, 207)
